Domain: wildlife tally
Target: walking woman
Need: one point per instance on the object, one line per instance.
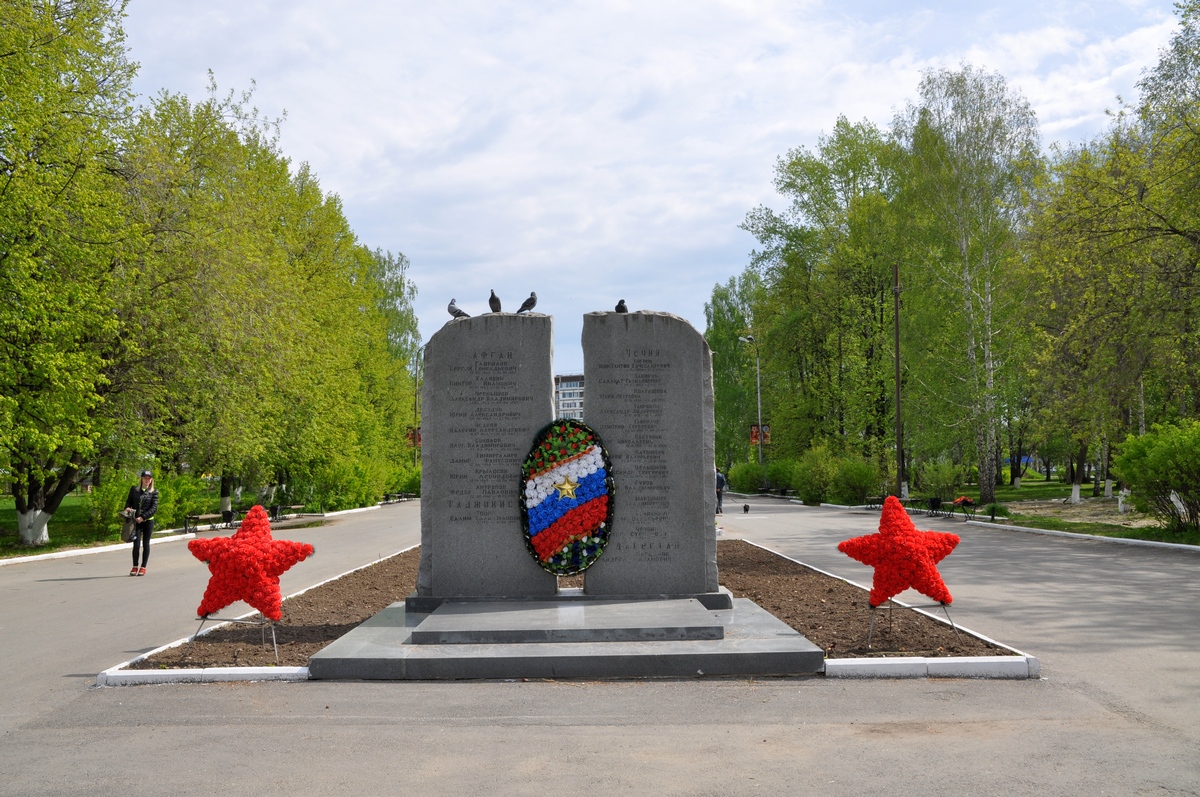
(142, 503)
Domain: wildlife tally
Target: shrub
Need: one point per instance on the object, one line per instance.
(855, 480)
(178, 495)
(814, 474)
(995, 510)
(1162, 469)
(746, 477)
(781, 473)
(409, 481)
(941, 478)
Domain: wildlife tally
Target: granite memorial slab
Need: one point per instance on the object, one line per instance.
(650, 397)
(489, 389)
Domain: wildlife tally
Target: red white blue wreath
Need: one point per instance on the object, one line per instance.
(566, 497)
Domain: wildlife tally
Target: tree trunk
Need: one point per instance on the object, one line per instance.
(1077, 476)
(37, 500)
(32, 527)
(226, 494)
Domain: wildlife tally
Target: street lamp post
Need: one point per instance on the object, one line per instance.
(758, 389)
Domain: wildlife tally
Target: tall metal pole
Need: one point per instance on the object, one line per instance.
(900, 480)
(758, 390)
(758, 387)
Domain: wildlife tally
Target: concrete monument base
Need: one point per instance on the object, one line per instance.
(614, 639)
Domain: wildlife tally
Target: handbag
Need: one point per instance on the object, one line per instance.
(128, 528)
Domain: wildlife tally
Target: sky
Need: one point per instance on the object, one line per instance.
(594, 151)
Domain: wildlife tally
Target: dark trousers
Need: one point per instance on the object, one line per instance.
(142, 540)
(720, 495)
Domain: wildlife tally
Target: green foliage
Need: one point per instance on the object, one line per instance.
(746, 477)
(855, 480)
(173, 286)
(994, 510)
(64, 93)
(1162, 469)
(179, 495)
(408, 481)
(781, 474)
(729, 317)
(814, 475)
(940, 478)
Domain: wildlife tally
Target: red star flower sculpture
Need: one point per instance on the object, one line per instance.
(247, 566)
(902, 556)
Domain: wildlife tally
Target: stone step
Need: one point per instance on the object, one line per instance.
(498, 622)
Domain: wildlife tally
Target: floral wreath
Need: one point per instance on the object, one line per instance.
(566, 497)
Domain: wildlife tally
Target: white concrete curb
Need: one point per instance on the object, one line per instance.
(1020, 666)
(348, 511)
(119, 676)
(1175, 546)
(174, 535)
(123, 546)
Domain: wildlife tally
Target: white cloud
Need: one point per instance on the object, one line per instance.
(596, 151)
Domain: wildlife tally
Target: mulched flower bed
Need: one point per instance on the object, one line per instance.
(831, 613)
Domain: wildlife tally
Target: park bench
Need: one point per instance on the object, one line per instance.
(225, 519)
(276, 511)
(391, 498)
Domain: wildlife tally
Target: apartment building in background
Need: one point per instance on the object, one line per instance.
(568, 396)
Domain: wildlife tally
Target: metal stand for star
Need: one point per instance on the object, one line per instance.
(262, 623)
(891, 604)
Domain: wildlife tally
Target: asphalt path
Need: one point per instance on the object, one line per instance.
(1116, 712)
(64, 620)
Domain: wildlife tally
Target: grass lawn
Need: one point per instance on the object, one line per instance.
(70, 527)
(1155, 533)
(1031, 490)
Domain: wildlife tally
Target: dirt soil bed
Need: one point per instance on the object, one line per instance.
(829, 612)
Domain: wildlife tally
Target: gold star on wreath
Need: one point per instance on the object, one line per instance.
(566, 489)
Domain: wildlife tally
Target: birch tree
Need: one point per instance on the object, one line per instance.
(973, 148)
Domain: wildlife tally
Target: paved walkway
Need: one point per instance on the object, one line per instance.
(1118, 711)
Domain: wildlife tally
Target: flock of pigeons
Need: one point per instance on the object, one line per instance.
(527, 305)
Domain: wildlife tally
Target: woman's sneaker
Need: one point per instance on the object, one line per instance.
(133, 572)
(141, 571)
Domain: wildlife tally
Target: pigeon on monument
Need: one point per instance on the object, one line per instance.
(621, 308)
(494, 302)
(453, 310)
(529, 303)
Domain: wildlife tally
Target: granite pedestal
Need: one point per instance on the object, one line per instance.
(752, 642)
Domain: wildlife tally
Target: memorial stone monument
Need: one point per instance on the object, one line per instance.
(489, 389)
(650, 397)
(651, 606)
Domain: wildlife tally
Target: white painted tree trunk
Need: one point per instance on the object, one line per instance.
(31, 527)
(1075, 499)
(226, 503)
(904, 491)
(1016, 482)
(1108, 488)
(1179, 507)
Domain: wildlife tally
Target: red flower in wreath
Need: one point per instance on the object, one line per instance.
(247, 566)
(902, 556)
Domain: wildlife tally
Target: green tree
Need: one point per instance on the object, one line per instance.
(972, 146)
(64, 93)
(826, 315)
(729, 317)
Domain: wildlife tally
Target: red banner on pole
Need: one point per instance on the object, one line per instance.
(754, 434)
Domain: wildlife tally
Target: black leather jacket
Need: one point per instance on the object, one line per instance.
(143, 502)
